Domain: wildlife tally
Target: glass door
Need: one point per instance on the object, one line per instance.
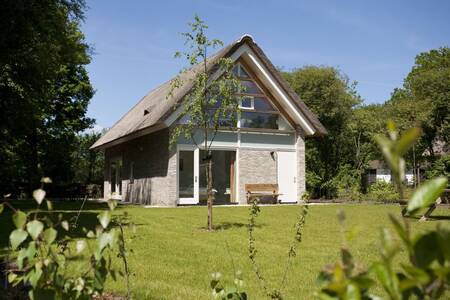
(188, 176)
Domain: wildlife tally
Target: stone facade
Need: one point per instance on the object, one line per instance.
(301, 165)
(255, 167)
(148, 170)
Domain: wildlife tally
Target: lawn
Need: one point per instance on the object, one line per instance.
(173, 255)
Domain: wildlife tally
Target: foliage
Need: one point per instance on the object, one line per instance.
(43, 251)
(232, 292)
(254, 210)
(87, 163)
(211, 103)
(440, 167)
(429, 83)
(382, 191)
(426, 275)
(393, 149)
(44, 90)
(348, 183)
(345, 279)
(331, 96)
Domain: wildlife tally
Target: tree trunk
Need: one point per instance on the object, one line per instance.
(210, 192)
(33, 162)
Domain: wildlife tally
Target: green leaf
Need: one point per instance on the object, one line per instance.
(17, 237)
(401, 231)
(427, 194)
(419, 275)
(49, 205)
(39, 195)
(19, 219)
(407, 140)
(34, 277)
(352, 292)
(65, 225)
(12, 277)
(104, 218)
(427, 249)
(104, 239)
(49, 235)
(112, 204)
(35, 228)
(383, 275)
(2, 206)
(46, 180)
(80, 245)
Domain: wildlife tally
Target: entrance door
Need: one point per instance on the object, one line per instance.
(188, 176)
(115, 173)
(287, 176)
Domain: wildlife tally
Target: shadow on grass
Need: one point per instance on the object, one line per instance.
(62, 210)
(430, 218)
(230, 225)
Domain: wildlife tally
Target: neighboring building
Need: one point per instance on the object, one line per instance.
(268, 145)
(379, 170)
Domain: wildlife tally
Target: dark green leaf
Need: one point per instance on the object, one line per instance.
(427, 249)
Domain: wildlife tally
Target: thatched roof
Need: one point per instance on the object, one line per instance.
(152, 110)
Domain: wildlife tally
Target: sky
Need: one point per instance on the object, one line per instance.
(372, 42)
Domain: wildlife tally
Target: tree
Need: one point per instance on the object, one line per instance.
(331, 96)
(211, 103)
(44, 89)
(429, 84)
(87, 163)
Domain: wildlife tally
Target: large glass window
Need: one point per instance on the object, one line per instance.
(256, 109)
(259, 120)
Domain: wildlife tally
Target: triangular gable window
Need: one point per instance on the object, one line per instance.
(257, 111)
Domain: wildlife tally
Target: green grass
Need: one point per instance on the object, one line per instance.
(173, 255)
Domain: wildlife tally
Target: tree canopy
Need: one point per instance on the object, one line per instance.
(44, 89)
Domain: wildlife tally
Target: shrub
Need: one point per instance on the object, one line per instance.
(348, 183)
(440, 167)
(382, 191)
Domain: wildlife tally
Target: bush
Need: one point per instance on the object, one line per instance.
(440, 167)
(382, 191)
(348, 183)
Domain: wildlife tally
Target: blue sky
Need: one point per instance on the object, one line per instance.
(373, 42)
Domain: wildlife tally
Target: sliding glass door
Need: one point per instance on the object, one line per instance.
(192, 188)
(188, 176)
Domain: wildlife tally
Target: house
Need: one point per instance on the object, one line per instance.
(379, 170)
(268, 145)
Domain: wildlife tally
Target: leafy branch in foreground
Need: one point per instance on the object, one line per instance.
(55, 266)
(235, 292)
(426, 274)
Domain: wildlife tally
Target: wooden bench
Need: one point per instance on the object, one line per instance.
(262, 191)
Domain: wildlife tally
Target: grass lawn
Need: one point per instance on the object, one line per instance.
(173, 255)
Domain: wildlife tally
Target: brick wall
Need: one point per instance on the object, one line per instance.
(255, 167)
(154, 170)
(301, 167)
